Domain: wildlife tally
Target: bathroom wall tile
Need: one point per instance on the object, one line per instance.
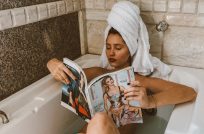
(181, 19)
(199, 21)
(96, 14)
(146, 5)
(89, 4)
(9, 4)
(201, 6)
(52, 9)
(82, 4)
(61, 7)
(42, 11)
(19, 17)
(95, 29)
(160, 5)
(137, 2)
(110, 3)
(83, 32)
(189, 6)
(31, 14)
(152, 18)
(174, 5)
(77, 5)
(5, 19)
(23, 56)
(99, 4)
(69, 6)
(184, 46)
(156, 41)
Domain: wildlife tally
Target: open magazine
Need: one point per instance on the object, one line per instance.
(103, 94)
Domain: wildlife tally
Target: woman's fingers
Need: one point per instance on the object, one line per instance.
(63, 76)
(60, 78)
(60, 71)
(68, 72)
(132, 93)
(132, 89)
(137, 98)
(135, 83)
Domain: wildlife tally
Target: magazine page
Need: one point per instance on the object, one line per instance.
(73, 94)
(106, 94)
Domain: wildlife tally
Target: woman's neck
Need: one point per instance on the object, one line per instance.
(124, 66)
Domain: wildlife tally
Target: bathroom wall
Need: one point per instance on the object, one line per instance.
(182, 44)
(31, 33)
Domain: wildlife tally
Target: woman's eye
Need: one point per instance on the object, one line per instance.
(108, 47)
(118, 48)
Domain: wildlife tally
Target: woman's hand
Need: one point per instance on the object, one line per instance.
(59, 71)
(138, 93)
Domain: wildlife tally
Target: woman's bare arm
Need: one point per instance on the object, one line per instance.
(60, 72)
(166, 92)
(94, 72)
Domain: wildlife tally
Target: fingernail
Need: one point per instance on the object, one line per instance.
(128, 83)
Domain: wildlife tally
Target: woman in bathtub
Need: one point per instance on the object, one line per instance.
(127, 44)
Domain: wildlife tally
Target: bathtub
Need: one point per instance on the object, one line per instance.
(36, 109)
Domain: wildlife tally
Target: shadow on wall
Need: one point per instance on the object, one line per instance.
(25, 50)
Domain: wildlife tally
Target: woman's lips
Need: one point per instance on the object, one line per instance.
(112, 60)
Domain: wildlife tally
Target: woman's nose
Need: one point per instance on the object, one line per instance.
(112, 51)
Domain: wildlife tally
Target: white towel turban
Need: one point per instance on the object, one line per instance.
(125, 18)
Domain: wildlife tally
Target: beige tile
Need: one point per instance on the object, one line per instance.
(19, 17)
(110, 3)
(77, 5)
(52, 9)
(69, 6)
(146, 5)
(152, 18)
(31, 14)
(181, 19)
(89, 4)
(156, 41)
(99, 4)
(199, 21)
(189, 6)
(201, 6)
(42, 11)
(96, 14)
(137, 2)
(61, 7)
(184, 46)
(160, 5)
(95, 34)
(174, 5)
(82, 4)
(82, 31)
(5, 19)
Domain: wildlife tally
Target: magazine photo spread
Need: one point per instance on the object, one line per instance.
(103, 94)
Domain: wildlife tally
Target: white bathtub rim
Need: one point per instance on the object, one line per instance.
(11, 105)
(34, 104)
(192, 124)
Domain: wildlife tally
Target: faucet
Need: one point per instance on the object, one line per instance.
(4, 117)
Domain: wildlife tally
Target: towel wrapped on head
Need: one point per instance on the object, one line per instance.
(125, 18)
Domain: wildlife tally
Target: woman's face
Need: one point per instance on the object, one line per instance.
(109, 82)
(117, 51)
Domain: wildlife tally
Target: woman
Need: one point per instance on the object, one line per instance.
(127, 44)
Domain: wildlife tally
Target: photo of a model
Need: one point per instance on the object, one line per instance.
(115, 105)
